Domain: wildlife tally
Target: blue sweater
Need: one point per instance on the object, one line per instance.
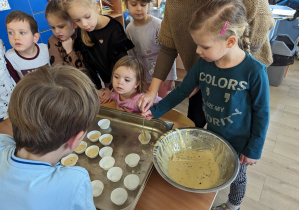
(235, 102)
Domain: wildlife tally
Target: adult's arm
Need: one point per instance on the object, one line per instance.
(178, 94)
(163, 66)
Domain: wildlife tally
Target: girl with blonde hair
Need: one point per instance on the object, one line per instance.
(104, 41)
(234, 86)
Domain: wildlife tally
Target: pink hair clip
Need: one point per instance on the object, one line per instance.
(224, 27)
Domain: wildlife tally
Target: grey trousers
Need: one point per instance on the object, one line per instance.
(238, 187)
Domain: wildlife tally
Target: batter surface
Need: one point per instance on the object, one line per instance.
(194, 169)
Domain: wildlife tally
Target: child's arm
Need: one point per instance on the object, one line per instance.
(178, 94)
(247, 161)
(260, 96)
(13, 73)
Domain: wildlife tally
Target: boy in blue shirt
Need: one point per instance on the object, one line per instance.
(50, 110)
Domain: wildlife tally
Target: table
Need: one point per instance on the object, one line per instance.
(159, 194)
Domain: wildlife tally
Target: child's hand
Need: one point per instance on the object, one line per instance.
(247, 161)
(68, 45)
(147, 100)
(104, 95)
(147, 115)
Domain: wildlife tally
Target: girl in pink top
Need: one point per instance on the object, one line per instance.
(128, 85)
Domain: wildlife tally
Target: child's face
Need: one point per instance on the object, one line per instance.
(85, 18)
(209, 47)
(62, 29)
(138, 9)
(124, 81)
(20, 36)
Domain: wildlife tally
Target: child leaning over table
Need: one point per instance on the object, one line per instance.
(6, 84)
(50, 110)
(26, 55)
(128, 84)
(235, 86)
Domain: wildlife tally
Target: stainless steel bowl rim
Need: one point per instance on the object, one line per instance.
(214, 189)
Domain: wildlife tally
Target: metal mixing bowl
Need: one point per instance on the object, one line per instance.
(199, 139)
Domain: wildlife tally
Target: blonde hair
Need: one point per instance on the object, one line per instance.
(67, 4)
(51, 105)
(136, 65)
(212, 17)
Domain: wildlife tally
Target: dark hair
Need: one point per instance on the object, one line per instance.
(213, 15)
(137, 66)
(54, 7)
(18, 15)
(51, 105)
(146, 1)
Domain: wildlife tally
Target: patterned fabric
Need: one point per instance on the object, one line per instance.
(238, 188)
(6, 84)
(58, 54)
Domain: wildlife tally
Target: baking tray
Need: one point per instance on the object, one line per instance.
(124, 128)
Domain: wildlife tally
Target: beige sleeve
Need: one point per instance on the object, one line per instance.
(165, 33)
(260, 20)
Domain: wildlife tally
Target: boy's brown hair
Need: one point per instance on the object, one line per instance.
(18, 15)
(51, 105)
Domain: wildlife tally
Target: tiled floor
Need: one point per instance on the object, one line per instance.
(273, 183)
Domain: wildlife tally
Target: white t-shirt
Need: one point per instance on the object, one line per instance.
(24, 65)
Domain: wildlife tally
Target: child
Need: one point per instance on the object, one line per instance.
(61, 44)
(143, 31)
(26, 56)
(176, 39)
(128, 84)
(50, 110)
(235, 87)
(6, 84)
(104, 39)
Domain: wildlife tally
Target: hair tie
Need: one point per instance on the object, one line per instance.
(224, 27)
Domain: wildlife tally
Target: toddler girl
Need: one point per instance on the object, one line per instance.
(235, 86)
(103, 39)
(6, 84)
(128, 84)
(61, 44)
(143, 30)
